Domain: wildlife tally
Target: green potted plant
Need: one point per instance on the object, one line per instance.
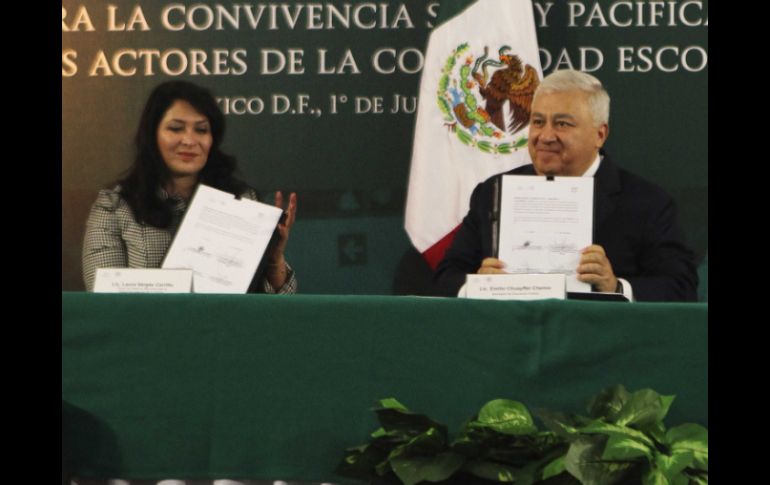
(622, 441)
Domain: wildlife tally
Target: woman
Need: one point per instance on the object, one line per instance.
(177, 147)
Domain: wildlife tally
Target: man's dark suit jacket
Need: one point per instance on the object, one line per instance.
(634, 221)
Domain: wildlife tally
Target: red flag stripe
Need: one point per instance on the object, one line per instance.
(434, 254)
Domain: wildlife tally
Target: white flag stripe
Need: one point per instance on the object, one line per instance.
(445, 171)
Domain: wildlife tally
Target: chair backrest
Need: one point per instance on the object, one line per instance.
(703, 276)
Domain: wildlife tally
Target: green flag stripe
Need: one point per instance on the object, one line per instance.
(449, 9)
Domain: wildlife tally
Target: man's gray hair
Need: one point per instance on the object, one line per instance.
(568, 80)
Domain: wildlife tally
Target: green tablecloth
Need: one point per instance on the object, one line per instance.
(275, 387)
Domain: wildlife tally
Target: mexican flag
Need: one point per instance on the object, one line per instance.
(481, 68)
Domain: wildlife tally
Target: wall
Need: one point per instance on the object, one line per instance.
(348, 162)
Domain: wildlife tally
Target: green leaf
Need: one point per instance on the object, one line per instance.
(507, 417)
(466, 446)
(654, 477)
(656, 431)
(429, 442)
(361, 461)
(443, 83)
(625, 448)
(399, 423)
(680, 480)
(504, 148)
(697, 479)
(600, 427)
(608, 403)
(564, 425)
(691, 437)
(464, 136)
(556, 467)
(484, 146)
(444, 107)
(521, 142)
(415, 469)
(583, 461)
(644, 408)
(486, 130)
(392, 403)
(530, 473)
(465, 71)
(673, 465)
(383, 468)
(492, 471)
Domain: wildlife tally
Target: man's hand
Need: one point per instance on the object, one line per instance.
(595, 268)
(491, 266)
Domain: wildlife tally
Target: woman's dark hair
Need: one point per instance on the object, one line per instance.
(149, 172)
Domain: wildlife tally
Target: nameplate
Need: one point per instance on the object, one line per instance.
(516, 286)
(131, 280)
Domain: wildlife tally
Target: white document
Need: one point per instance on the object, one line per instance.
(544, 224)
(136, 280)
(515, 286)
(222, 239)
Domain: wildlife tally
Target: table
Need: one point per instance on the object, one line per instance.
(277, 386)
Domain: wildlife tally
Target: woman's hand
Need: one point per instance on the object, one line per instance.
(276, 264)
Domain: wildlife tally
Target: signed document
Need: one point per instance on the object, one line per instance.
(544, 224)
(222, 239)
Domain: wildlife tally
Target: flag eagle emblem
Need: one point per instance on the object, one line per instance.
(474, 100)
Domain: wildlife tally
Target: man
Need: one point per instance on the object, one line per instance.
(638, 246)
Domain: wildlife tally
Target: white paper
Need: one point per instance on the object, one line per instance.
(222, 239)
(515, 286)
(141, 280)
(544, 224)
